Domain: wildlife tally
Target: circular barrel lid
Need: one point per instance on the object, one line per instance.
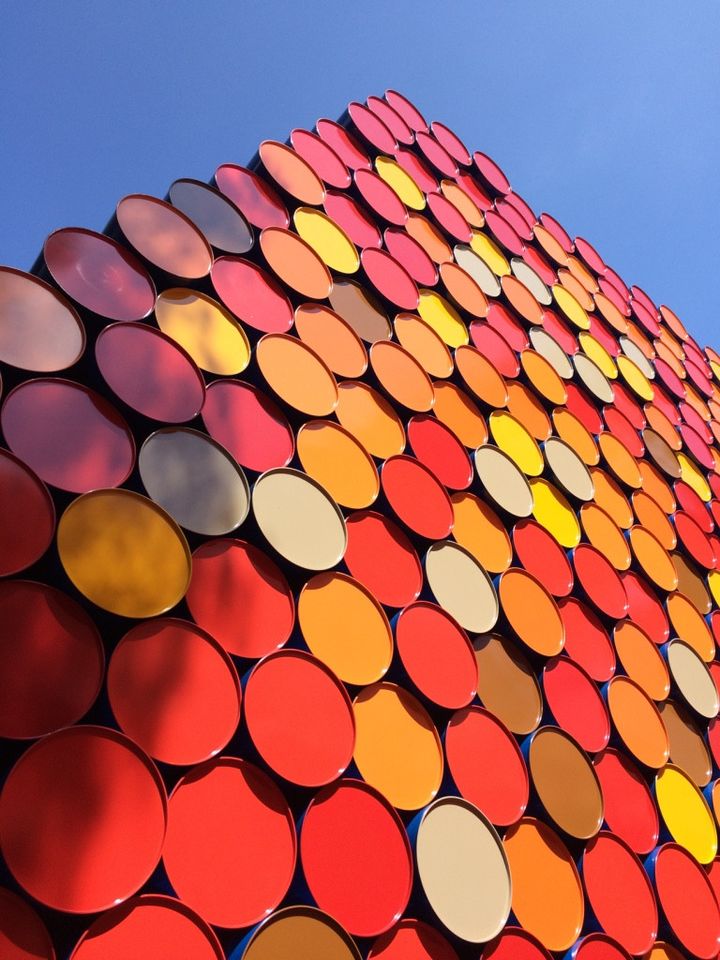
(503, 481)
(626, 908)
(356, 857)
(507, 685)
(240, 597)
(382, 558)
(208, 332)
(380, 197)
(514, 943)
(565, 782)
(360, 310)
(463, 870)
(605, 535)
(687, 900)
(255, 198)
(299, 519)
(353, 219)
(99, 274)
(411, 255)
(586, 639)
(164, 236)
(600, 581)
(150, 372)
(250, 425)
(552, 511)
(27, 515)
(174, 690)
(304, 933)
(332, 339)
(68, 434)
(343, 143)
(327, 239)
(479, 529)
(296, 374)
(483, 378)
(124, 553)
(149, 927)
(686, 813)
(630, 810)
(576, 704)
(689, 746)
(299, 717)
(477, 741)
(690, 626)
(390, 278)
(112, 805)
(229, 813)
(370, 418)
(547, 897)
(219, 220)
(476, 267)
(253, 295)
(517, 442)
(437, 446)
(437, 655)
(417, 497)
(324, 160)
(644, 607)
(568, 469)
(345, 627)
(295, 262)
(51, 657)
(401, 182)
(637, 722)
(456, 410)
(332, 456)
(412, 939)
(401, 376)
(443, 318)
(23, 935)
(291, 172)
(195, 480)
(531, 612)
(461, 586)
(641, 660)
(693, 679)
(397, 748)
(39, 329)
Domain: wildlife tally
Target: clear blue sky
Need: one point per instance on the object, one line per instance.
(605, 113)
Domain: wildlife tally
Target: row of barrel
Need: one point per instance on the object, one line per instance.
(360, 575)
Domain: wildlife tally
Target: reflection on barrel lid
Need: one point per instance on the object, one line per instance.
(124, 553)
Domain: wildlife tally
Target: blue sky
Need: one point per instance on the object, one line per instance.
(606, 113)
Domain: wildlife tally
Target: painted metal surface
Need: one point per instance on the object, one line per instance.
(374, 524)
